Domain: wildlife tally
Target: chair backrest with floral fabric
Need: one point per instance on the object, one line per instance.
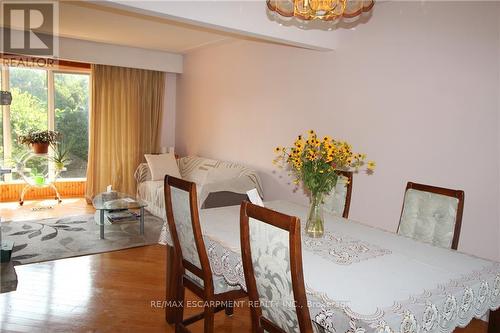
(272, 260)
(338, 201)
(185, 230)
(432, 215)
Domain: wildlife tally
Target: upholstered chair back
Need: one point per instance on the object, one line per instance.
(185, 230)
(184, 226)
(339, 200)
(432, 215)
(272, 261)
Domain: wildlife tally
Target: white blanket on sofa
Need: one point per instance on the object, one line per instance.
(209, 175)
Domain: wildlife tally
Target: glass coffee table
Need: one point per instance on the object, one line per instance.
(107, 202)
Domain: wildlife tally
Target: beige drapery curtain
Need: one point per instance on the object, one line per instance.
(125, 122)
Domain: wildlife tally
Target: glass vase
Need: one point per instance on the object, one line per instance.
(315, 221)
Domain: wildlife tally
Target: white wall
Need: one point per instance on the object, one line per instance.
(169, 108)
(416, 89)
(117, 55)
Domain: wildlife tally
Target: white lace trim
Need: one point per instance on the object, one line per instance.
(225, 263)
(441, 310)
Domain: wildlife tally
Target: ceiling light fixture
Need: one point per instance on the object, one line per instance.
(325, 10)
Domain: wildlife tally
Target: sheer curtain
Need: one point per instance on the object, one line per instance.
(125, 123)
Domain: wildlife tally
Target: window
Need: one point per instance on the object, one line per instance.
(45, 98)
(28, 111)
(72, 119)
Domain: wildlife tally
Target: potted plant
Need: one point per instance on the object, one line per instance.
(316, 163)
(38, 178)
(39, 141)
(61, 155)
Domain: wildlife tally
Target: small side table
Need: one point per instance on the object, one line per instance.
(110, 201)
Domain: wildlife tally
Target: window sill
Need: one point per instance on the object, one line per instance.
(68, 188)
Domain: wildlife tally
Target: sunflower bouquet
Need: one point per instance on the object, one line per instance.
(317, 162)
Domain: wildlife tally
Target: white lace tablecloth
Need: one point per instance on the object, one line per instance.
(360, 279)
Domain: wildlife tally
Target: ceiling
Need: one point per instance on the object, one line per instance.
(118, 22)
(96, 23)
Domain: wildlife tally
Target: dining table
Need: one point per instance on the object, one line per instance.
(362, 279)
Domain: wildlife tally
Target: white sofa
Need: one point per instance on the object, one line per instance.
(218, 183)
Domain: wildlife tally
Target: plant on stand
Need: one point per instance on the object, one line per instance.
(39, 141)
(61, 155)
(317, 163)
(38, 177)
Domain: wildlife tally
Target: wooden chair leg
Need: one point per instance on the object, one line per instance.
(255, 322)
(172, 289)
(229, 308)
(209, 319)
(179, 308)
(494, 321)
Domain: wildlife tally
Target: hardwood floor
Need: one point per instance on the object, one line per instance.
(112, 292)
(117, 291)
(41, 209)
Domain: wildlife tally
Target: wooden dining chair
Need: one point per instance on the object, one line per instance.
(192, 267)
(272, 261)
(432, 214)
(338, 201)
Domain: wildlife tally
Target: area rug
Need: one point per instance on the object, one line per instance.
(56, 238)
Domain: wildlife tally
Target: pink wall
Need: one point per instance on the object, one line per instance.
(169, 110)
(416, 89)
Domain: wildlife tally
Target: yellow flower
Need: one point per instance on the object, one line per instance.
(322, 154)
(346, 146)
(299, 144)
(312, 135)
(311, 155)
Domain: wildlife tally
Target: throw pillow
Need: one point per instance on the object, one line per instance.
(161, 165)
